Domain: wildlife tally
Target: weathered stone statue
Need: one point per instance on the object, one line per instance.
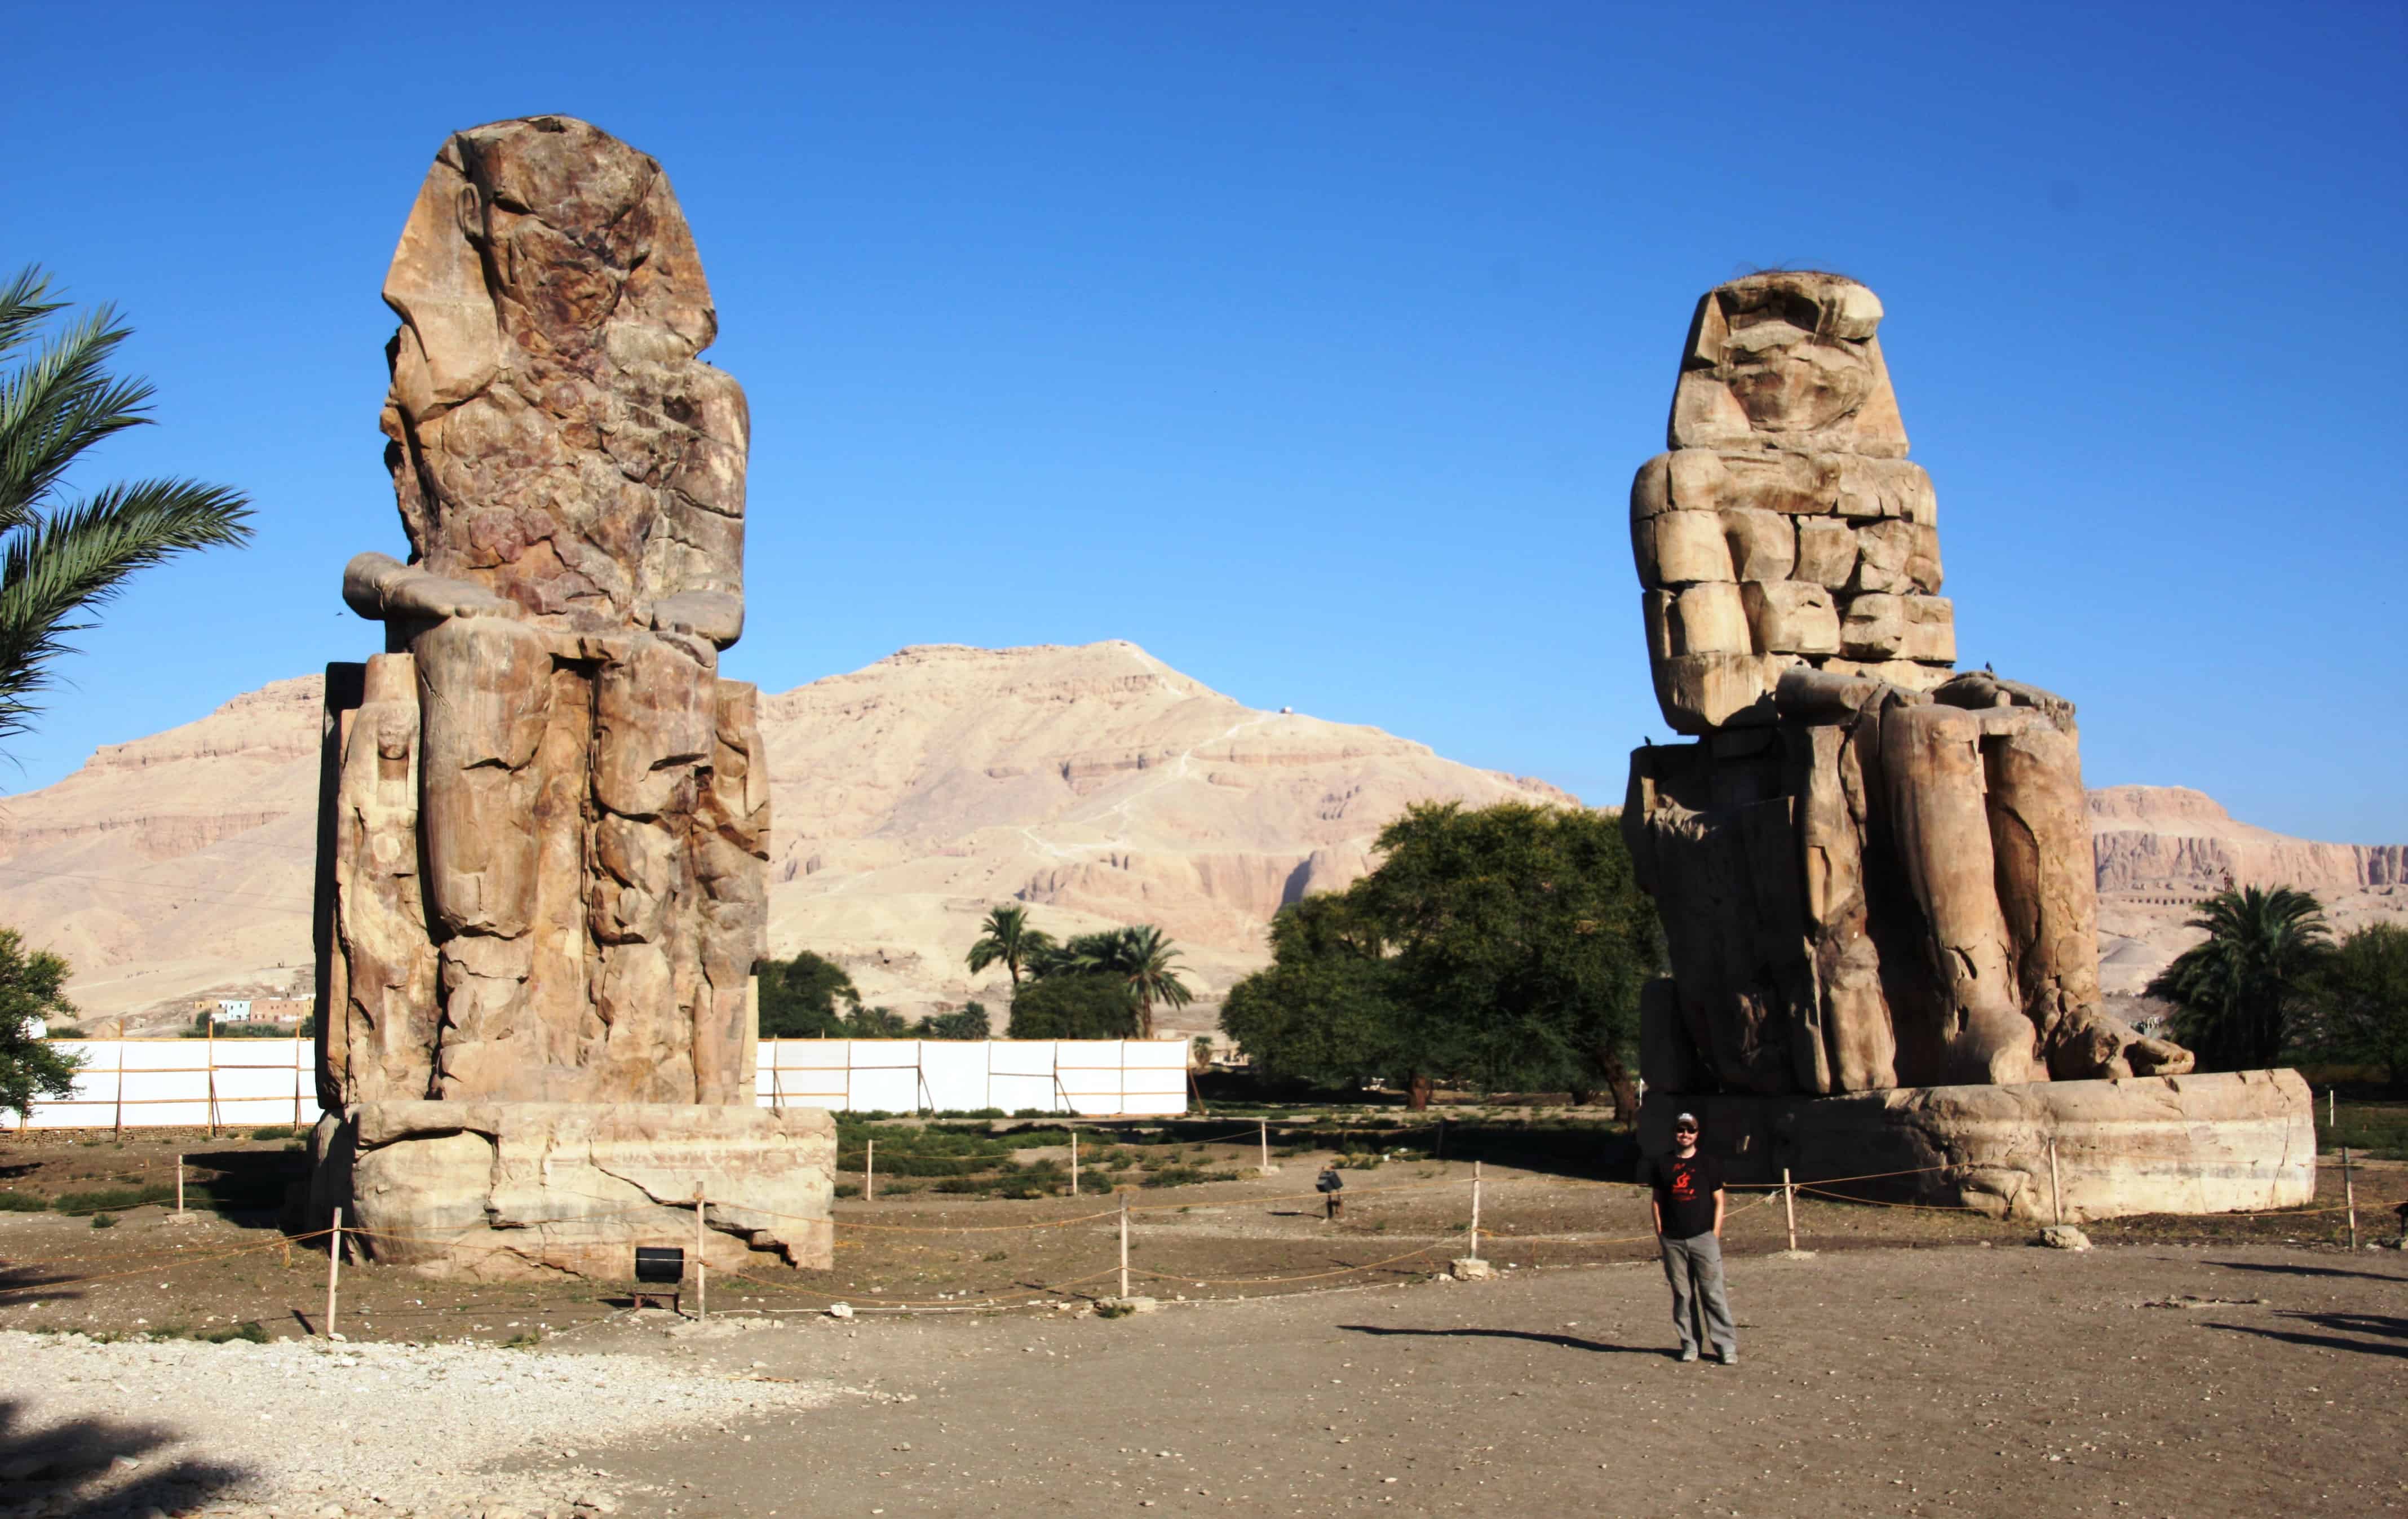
(548, 816)
(1874, 873)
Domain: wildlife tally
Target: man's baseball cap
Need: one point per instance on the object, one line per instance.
(1685, 1121)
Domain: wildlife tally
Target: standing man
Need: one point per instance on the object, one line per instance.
(1689, 1207)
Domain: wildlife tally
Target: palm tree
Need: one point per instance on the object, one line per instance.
(2234, 994)
(1010, 940)
(62, 558)
(1141, 958)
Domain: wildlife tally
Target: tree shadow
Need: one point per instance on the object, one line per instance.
(1534, 1337)
(2367, 1347)
(2272, 1270)
(62, 1470)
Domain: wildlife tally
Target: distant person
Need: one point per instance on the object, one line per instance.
(1688, 1209)
(1331, 1186)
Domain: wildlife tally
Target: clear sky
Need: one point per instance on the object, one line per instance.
(1313, 346)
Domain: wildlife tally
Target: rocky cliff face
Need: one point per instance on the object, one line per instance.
(1097, 783)
(2160, 849)
(2160, 839)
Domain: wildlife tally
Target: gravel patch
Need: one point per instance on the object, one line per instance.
(305, 1427)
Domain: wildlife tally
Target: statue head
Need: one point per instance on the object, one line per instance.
(555, 441)
(1788, 359)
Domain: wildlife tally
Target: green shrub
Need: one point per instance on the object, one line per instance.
(250, 1331)
(273, 1131)
(960, 1185)
(103, 1221)
(111, 1197)
(22, 1202)
(1180, 1176)
(1112, 1307)
(848, 1189)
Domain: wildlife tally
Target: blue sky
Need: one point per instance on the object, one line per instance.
(1312, 347)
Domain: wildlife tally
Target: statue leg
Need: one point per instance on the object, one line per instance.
(731, 843)
(652, 741)
(1972, 1028)
(485, 697)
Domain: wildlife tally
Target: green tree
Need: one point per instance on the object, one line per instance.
(1520, 941)
(1143, 959)
(30, 988)
(970, 1022)
(63, 559)
(806, 997)
(1073, 1005)
(875, 1023)
(1008, 941)
(2358, 998)
(1325, 1013)
(1502, 947)
(2237, 994)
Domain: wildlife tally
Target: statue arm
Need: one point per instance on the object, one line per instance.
(382, 588)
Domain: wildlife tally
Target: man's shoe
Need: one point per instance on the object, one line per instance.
(1688, 1353)
(1728, 1357)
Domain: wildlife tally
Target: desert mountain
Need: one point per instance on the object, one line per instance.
(2160, 849)
(1096, 783)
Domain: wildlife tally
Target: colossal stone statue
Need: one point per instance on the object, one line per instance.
(1873, 873)
(547, 817)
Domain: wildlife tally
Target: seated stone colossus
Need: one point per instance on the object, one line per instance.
(548, 816)
(1873, 873)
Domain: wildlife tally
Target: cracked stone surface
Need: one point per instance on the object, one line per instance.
(1874, 872)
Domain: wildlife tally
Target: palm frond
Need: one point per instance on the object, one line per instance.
(80, 557)
(55, 407)
(22, 308)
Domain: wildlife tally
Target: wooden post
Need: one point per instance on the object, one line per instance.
(211, 1054)
(869, 1173)
(1266, 1124)
(296, 1079)
(2056, 1191)
(1074, 1160)
(1441, 1137)
(1123, 1247)
(1790, 1206)
(179, 1187)
(2349, 1196)
(2333, 1111)
(701, 1281)
(117, 1126)
(334, 1270)
(1475, 1210)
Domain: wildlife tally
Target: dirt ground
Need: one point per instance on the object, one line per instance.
(1925, 1362)
(2183, 1382)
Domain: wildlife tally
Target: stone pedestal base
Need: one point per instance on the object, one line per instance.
(502, 1190)
(2228, 1142)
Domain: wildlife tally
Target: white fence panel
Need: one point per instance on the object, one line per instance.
(953, 1075)
(247, 1083)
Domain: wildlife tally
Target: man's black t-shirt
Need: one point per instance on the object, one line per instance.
(1685, 1192)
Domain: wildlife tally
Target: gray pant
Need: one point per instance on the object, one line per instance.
(1694, 1266)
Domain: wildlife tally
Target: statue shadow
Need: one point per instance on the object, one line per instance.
(62, 1468)
(2373, 1323)
(18, 1281)
(2271, 1268)
(1535, 1337)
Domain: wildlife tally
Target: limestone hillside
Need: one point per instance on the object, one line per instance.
(1097, 783)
